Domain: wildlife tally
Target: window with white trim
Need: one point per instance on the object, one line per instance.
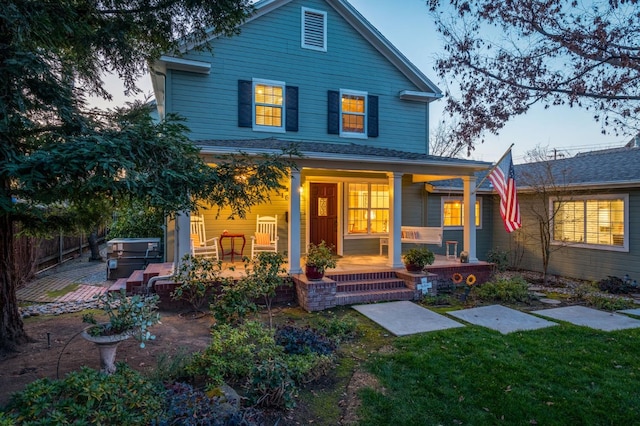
(353, 107)
(453, 213)
(314, 29)
(367, 208)
(594, 221)
(268, 105)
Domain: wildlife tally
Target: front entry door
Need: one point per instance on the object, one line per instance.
(324, 214)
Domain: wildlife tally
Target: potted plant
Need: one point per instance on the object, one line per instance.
(127, 316)
(416, 259)
(319, 258)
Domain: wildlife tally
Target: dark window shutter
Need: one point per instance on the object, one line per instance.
(245, 98)
(372, 116)
(333, 112)
(291, 101)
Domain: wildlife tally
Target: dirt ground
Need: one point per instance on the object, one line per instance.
(59, 349)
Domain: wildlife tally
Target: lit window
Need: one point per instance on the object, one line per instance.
(353, 113)
(597, 221)
(268, 105)
(367, 208)
(453, 213)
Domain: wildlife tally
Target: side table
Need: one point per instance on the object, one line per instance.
(232, 250)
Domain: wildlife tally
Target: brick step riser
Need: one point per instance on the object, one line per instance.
(365, 276)
(373, 297)
(370, 286)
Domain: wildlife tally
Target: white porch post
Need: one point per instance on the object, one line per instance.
(294, 223)
(395, 220)
(182, 236)
(469, 232)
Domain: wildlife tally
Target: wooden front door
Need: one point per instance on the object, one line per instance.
(324, 214)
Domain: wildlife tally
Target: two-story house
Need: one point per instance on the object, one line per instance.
(318, 74)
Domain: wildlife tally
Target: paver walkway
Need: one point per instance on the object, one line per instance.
(57, 284)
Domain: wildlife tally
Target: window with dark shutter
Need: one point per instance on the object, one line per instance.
(245, 103)
(291, 104)
(333, 112)
(372, 116)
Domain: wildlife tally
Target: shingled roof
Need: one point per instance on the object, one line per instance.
(617, 167)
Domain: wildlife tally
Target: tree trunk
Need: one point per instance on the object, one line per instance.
(12, 331)
(94, 246)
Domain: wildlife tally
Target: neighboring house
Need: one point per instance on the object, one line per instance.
(318, 74)
(592, 202)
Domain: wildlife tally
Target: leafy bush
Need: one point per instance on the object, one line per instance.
(297, 340)
(271, 384)
(338, 329)
(608, 303)
(234, 302)
(88, 397)
(305, 368)
(197, 276)
(500, 258)
(512, 290)
(233, 353)
(187, 406)
(135, 219)
(615, 285)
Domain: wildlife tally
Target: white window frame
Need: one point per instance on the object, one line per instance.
(584, 199)
(303, 27)
(364, 95)
(461, 201)
(368, 234)
(263, 128)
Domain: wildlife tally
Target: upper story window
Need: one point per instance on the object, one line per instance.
(593, 222)
(453, 213)
(367, 208)
(267, 105)
(314, 29)
(352, 114)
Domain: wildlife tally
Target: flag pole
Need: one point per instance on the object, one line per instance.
(493, 168)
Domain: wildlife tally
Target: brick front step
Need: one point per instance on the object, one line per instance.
(370, 285)
(371, 296)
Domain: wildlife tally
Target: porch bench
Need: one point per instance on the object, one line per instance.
(418, 235)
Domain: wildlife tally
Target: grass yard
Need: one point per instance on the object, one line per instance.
(564, 375)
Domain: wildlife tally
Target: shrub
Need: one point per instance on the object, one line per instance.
(500, 258)
(305, 368)
(271, 384)
(187, 406)
(88, 397)
(234, 302)
(511, 290)
(297, 340)
(197, 276)
(615, 285)
(338, 329)
(608, 303)
(233, 353)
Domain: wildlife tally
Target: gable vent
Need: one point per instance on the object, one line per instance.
(314, 29)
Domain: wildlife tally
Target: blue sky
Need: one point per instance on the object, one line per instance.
(408, 25)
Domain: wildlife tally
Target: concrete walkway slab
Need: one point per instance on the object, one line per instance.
(593, 318)
(634, 311)
(502, 319)
(403, 318)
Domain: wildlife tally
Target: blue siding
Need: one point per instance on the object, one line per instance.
(575, 262)
(269, 48)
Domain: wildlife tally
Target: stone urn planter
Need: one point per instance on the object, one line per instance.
(107, 346)
(128, 316)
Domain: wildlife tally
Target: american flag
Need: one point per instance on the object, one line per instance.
(503, 179)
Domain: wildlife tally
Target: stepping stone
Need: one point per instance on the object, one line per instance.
(593, 318)
(502, 319)
(635, 311)
(537, 294)
(550, 301)
(404, 317)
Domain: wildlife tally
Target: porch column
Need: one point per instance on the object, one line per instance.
(469, 230)
(294, 223)
(395, 220)
(182, 236)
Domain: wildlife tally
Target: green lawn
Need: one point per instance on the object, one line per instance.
(563, 375)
